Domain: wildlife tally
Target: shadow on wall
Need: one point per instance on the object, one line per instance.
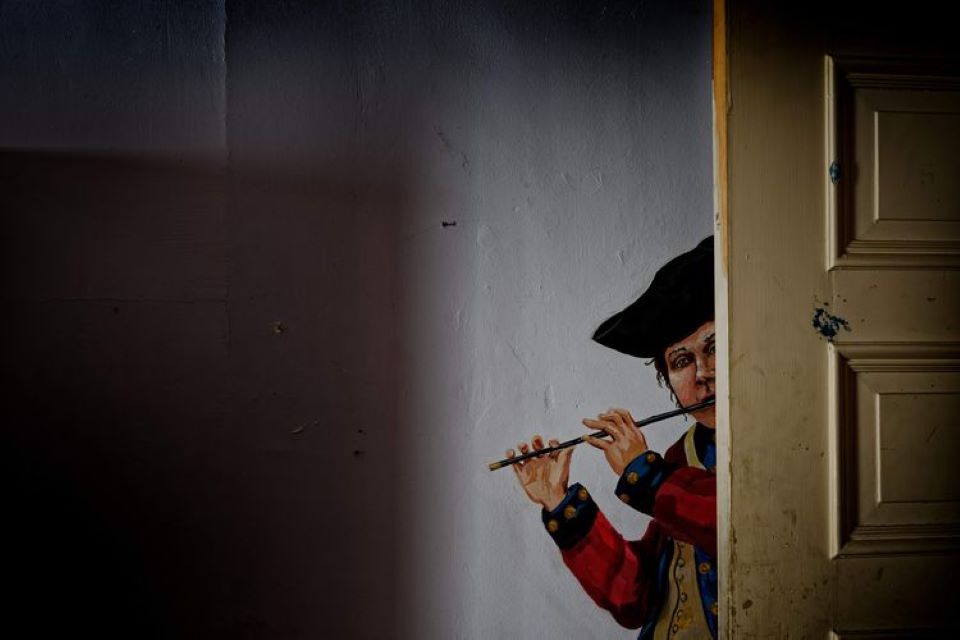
(200, 404)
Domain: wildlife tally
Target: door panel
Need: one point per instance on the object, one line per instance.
(896, 439)
(894, 128)
(872, 603)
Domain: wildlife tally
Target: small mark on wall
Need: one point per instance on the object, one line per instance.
(827, 324)
(448, 146)
(301, 428)
(445, 223)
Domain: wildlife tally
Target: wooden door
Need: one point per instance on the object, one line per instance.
(838, 192)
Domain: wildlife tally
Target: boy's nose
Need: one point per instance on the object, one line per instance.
(705, 371)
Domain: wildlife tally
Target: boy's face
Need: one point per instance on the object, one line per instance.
(690, 370)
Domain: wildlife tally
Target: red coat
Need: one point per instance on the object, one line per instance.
(627, 578)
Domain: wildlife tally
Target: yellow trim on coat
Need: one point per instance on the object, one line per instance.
(690, 447)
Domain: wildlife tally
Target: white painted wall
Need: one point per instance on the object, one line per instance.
(573, 168)
(330, 479)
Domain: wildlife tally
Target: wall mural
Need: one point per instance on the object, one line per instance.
(665, 582)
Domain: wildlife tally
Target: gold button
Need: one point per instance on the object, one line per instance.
(680, 562)
(674, 628)
(582, 494)
(633, 477)
(651, 458)
(683, 596)
(704, 567)
(714, 608)
(625, 498)
(569, 511)
(552, 526)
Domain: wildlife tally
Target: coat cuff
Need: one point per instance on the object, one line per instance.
(640, 481)
(572, 519)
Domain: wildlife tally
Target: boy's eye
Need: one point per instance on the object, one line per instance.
(681, 361)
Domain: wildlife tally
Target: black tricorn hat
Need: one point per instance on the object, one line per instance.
(679, 300)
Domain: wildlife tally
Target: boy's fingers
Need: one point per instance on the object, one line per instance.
(599, 443)
(554, 442)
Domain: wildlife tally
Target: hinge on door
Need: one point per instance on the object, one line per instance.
(834, 172)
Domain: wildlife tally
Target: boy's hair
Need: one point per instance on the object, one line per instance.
(663, 378)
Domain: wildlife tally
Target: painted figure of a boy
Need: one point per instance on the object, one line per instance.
(665, 583)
